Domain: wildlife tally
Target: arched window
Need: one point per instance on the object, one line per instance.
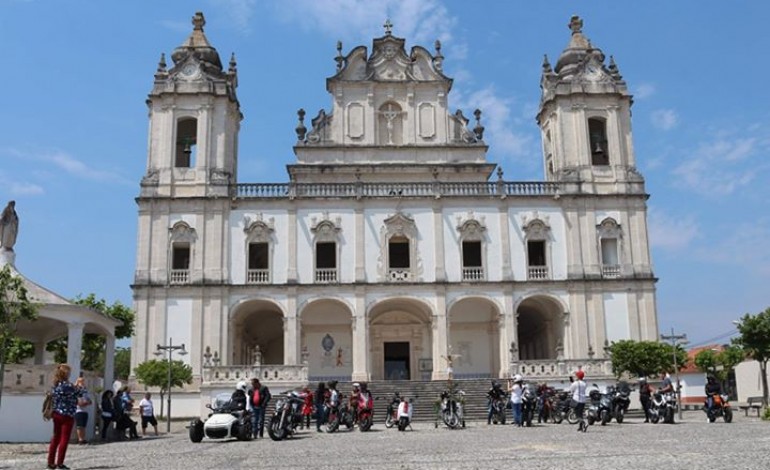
(186, 142)
(399, 259)
(259, 247)
(597, 133)
(537, 237)
(472, 246)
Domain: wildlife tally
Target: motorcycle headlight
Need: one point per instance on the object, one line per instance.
(279, 404)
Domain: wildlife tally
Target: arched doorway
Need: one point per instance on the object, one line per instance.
(400, 340)
(474, 336)
(327, 340)
(540, 329)
(256, 329)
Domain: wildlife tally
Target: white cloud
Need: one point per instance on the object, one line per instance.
(644, 90)
(664, 119)
(240, 12)
(669, 232)
(744, 245)
(63, 161)
(15, 187)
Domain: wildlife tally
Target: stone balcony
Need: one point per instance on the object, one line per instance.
(267, 373)
(554, 368)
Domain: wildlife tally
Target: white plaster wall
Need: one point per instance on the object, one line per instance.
(189, 219)
(179, 325)
(279, 244)
(554, 217)
(693, 386)
(22, 421)
(336, 362)
(426, 242)
(748, 379)
(473, 344)
(616, 316)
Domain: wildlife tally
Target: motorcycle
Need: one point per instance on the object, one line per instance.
(222, 423)
(528, 405)
(338, 415)
(286, 417)
(450, 409)
(405, 415)
(391, 415)
(561, 409)
(620, 400)
(365, 412)
(720, 407)
(592, 407)
(662, 406)
(498, 409)
(605, 407)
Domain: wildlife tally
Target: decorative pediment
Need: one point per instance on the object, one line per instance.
(258, 229)
(399, 224)
(609, 228)
(471, 228)
(182, 232)
(535, 227)
(325, 229)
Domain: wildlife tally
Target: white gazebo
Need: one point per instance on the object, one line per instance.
(24, 385)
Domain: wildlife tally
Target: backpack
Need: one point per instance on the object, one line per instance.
(48, 406)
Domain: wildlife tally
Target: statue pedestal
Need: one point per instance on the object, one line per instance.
(7, 257)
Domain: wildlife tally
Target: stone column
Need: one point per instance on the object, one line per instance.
(360, 332)
(505, 243)
(438, 234)
(40, 352)
(109, 361)
(290, 331)
(74, 345)
(291, 276)
(507, 336)
(360, 246)
(440, 332)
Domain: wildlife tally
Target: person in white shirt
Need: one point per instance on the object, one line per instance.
(578, 392)
(147, 410)
(516, 391)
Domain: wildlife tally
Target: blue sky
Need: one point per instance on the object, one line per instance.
(73, 122)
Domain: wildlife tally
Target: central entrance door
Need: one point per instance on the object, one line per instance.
(397, 361)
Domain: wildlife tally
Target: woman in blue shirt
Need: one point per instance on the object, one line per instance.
(65, 400)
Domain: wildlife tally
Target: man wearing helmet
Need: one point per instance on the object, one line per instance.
(495, 393)
(238, 398)
(712, 388)
(578, 392)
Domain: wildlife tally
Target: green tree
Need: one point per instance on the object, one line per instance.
(755, 340)
(644, 358)
(18, 349)
(92, 355)
(154, 373)
(14, 306)
(123, 363)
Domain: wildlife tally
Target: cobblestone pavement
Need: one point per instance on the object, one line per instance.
(691, 444)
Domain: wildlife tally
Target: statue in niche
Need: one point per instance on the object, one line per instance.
(9, 226)
(391, 122)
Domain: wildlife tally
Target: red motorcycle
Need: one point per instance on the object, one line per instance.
(365, 411)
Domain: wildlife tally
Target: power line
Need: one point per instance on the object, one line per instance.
(715, 338)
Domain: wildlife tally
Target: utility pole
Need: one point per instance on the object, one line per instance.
(676, 340)
(169, 348)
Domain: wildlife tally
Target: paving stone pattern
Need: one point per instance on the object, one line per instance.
(692, 444)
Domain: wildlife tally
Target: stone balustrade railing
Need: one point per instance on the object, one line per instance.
(36, 378)
(414, 189)
(562, 367)
(268, 373)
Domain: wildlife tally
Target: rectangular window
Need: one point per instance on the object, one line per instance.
(258, 258)
(180, 257)
(609, 252)
(186, 140)
(597, 132)
(472, 254)
(398, 253)
(326, 255)
(536, 253)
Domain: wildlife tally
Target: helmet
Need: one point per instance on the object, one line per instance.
(518, 378)
(242, 385)
(580, 374)
(642, 379)
(356, 385)
(495, 384)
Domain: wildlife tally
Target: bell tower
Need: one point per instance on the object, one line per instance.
(585, 120)
(194, 122)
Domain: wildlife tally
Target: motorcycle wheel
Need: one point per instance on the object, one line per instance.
(402, 424)
(451, 419)
(244, 429)
(501, 417)
(619, 415)
(728, 415)
(275, 430)
(557, 417)
(669, 418)
(655, 417)
(333, 424)
(605, 417)
(528, 419)
(591, 420)
(572, 417)
(365, 424)
(389, 421)
(196, 430)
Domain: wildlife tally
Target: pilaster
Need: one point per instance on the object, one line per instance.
(440, 337)
(360, 329)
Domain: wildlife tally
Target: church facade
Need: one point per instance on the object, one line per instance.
(395, 250)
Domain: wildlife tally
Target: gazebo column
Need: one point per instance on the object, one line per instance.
(74, 346)
(109, 361)
(40, 351)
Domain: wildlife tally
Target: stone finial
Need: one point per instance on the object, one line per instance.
(437, 45)
(575, 24)
(233, 64)
(613, 69)
(499, 173)
(301, 130)
(438, 59)
(546, 65)
(388, 27)
(479, 129)
(198, 21)
(340, 58)
(162, 63)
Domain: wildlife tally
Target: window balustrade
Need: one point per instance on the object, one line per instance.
(180, 276)
(473, 274)
(537, 273)
(326, 275)
(258, 276)
(611, 270)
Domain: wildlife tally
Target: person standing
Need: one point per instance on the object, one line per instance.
(307, 406)
(645, 397)
(578, 392)
(517, 390)
(147, 412)
(259, 397)
(65, 401)
(81, 411)
(320, 399)
(108, 413)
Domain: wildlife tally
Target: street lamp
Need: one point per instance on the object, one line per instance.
(170, 348)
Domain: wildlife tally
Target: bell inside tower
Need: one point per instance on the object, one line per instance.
(186, 140)
(597, 131)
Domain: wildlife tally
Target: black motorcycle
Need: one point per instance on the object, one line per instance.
(620, 400)
(286, 417)
(592, 410)
(605, 407)
(498, 408)
(528, 405)
(561, 409)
